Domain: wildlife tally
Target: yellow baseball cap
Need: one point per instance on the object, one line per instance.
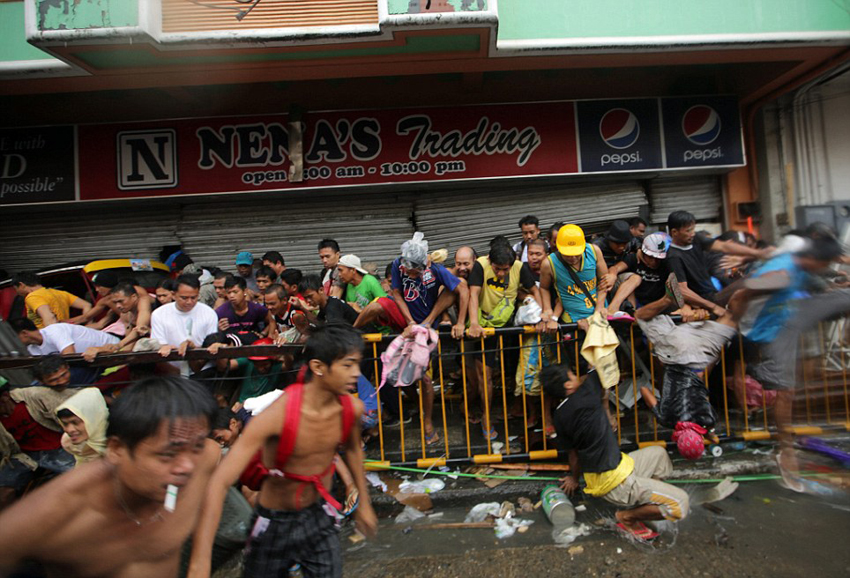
(570, 241)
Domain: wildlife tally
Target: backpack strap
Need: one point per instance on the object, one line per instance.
(292, 417)
(347, 417)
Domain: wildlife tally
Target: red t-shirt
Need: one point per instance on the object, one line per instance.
(30, 435)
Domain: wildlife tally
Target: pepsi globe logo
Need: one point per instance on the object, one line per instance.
(701, 124)
(619, 128)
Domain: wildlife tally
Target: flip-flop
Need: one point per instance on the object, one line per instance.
(351, 502)
(432, 439)
(642, 533)
(673, 291)
(491, 434)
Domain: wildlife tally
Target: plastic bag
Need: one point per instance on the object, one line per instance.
(479, 512)
(529, 313)
(428, 486)
(408, 515)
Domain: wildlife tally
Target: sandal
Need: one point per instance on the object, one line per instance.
(491, 435)
(432, 438)
(673, 291)
(642, 533)
(351, 502)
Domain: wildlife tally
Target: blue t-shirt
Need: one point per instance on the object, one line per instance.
(420, 294)
(778, 307)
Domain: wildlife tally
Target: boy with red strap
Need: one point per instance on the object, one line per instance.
(298, 437)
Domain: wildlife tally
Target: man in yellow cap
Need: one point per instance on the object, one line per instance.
(574, 271)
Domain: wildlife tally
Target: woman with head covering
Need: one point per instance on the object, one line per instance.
(84, 417)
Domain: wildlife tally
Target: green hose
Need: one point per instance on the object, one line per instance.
(749, 478)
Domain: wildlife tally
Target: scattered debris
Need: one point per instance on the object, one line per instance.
(356, 537)
(409, 514)
(479, 512)
(538, 504)
(376, 481)
(522, 529)
(566, 536)
(525, 505)
(497, 447)
(713, 509)
(581, 508)
(428, 486)
(576, 550)
(506, 509)
(619, 550)
(457, 526)
(507, 526)
(721, 491)
(421, 502)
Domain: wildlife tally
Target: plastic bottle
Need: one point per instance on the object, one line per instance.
(557, 507)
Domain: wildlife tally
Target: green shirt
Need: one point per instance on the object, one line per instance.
(367, 291)
(254, 383)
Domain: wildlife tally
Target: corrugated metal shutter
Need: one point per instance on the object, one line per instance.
(450, 220)
(44, 236)
(371, 226)
(700, 195)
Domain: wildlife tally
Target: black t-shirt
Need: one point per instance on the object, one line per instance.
(476, 277)
(337, 311)
(692, 266)
(526, 269)
(611, 258)
(582, 425)
(651, 287)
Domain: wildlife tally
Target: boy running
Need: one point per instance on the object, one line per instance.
(291, 523)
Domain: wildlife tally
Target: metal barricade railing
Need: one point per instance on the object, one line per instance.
(821, 400)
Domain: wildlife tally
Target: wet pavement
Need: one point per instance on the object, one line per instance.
(761, 530)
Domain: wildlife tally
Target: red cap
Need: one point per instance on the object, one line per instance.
(263, 341)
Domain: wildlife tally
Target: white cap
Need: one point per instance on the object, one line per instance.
(353, 261)
(656, 245)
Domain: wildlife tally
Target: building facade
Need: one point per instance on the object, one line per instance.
(228, 125)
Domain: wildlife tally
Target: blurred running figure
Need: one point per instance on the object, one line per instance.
(775, 324)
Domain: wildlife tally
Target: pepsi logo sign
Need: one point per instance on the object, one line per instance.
(619, 128)
(701, 124)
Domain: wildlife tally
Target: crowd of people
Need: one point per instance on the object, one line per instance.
(286, 422)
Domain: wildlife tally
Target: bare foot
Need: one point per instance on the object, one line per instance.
(648, 396)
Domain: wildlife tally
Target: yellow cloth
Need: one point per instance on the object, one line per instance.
(58, 301)
(599, 349)
(89, 406)
(601, 484)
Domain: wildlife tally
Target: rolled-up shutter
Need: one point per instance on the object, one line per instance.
(452, 219)
(48, 236)
(700, 195)
(372, 226)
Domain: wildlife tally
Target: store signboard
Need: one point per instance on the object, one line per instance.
(350, 148)
(37, 165)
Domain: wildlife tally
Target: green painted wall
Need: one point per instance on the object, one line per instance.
(13, 39)
(81, 14)
(529, 19)
(421, 6)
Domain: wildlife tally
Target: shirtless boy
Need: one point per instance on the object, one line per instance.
(291, 523)
(110, 517)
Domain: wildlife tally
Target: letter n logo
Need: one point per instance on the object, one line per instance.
(147, 159)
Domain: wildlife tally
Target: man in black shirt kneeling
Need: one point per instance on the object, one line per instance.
(632, 480)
